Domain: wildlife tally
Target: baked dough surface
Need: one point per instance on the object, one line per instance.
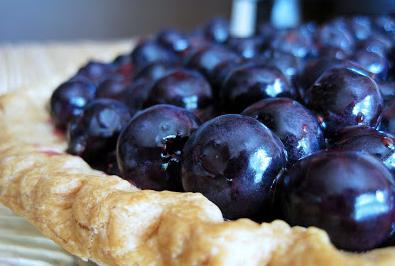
(105, 219)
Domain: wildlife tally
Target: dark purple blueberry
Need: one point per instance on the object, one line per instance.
(376, 43)
(113, 88)
(360, 27)
(173, 40)
(387, 89)
(289, 64)
(233, 160)
(298, 42)
(149, 148)
(184, 88)
(94, 134)
(333, 53)
(251, 83)
(313, 70)
(385, 24)
(336, 34)
(388, 117)
(217, 30)
(196, 43)
(122, 59)
(96, 71)
(156, 70)
(348, 194)
(295, 125)
(247, 47)
(372, 62)
(69, 100)
(207, 59)
(136, 95)
(108, 164)
(367, 139)
(343, 97)
(149, 51)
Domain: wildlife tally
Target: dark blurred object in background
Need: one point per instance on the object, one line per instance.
(322, 10)
(26, 20)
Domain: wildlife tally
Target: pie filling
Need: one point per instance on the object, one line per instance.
(293, 124)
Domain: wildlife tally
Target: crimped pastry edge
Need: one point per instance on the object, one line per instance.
(105, 219)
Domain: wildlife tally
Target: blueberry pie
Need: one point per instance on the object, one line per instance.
(204, 149)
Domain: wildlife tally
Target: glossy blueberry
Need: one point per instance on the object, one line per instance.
(69, 100)
(122, 59)
(289, 64)
(385, 23)
(251, 83)
(295, 125)
(96, 71)
(387, 89)
(247, 47)
(367, 139)
(372, 62)
(360, 27)
(156, 70)
(298, 42)
(149, 51)
(184, 88)
(333, 53)
(207, 59)
(344, 97)
(173, 40)
(95, 132)
(113, 88)
(217, 30)
(388, 118)
(376, 43)
(348, 194)
(136, 95)
(336, 34)
(149, 148)
(233, 160)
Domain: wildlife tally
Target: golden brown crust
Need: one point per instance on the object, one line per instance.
(107, 220)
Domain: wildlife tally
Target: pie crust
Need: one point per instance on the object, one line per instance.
(106, 220)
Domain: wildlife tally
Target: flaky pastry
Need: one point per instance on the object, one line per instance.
(107, 220)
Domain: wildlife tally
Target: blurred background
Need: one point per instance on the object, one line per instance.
(28, 20)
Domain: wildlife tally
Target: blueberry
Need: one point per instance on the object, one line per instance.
(149, 51)
(156, 70)
(360, 27)
(289, 64)
(251, 83)
(387, 89)
(295, 125)
(217, 30)
(388, 119)
(247, 47)
(207, 59)
(336, 34)
(96, 71)
(69, 100)
(298, 42)
(344, 97)
(173, 40)
(184, 88)
(372, 62)
(94, 133)
(149, 148)
(113, 88)
(233, 160)
(137, 94)
(122, 59)
(367, 139)
(376, 43)
(348, 194)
